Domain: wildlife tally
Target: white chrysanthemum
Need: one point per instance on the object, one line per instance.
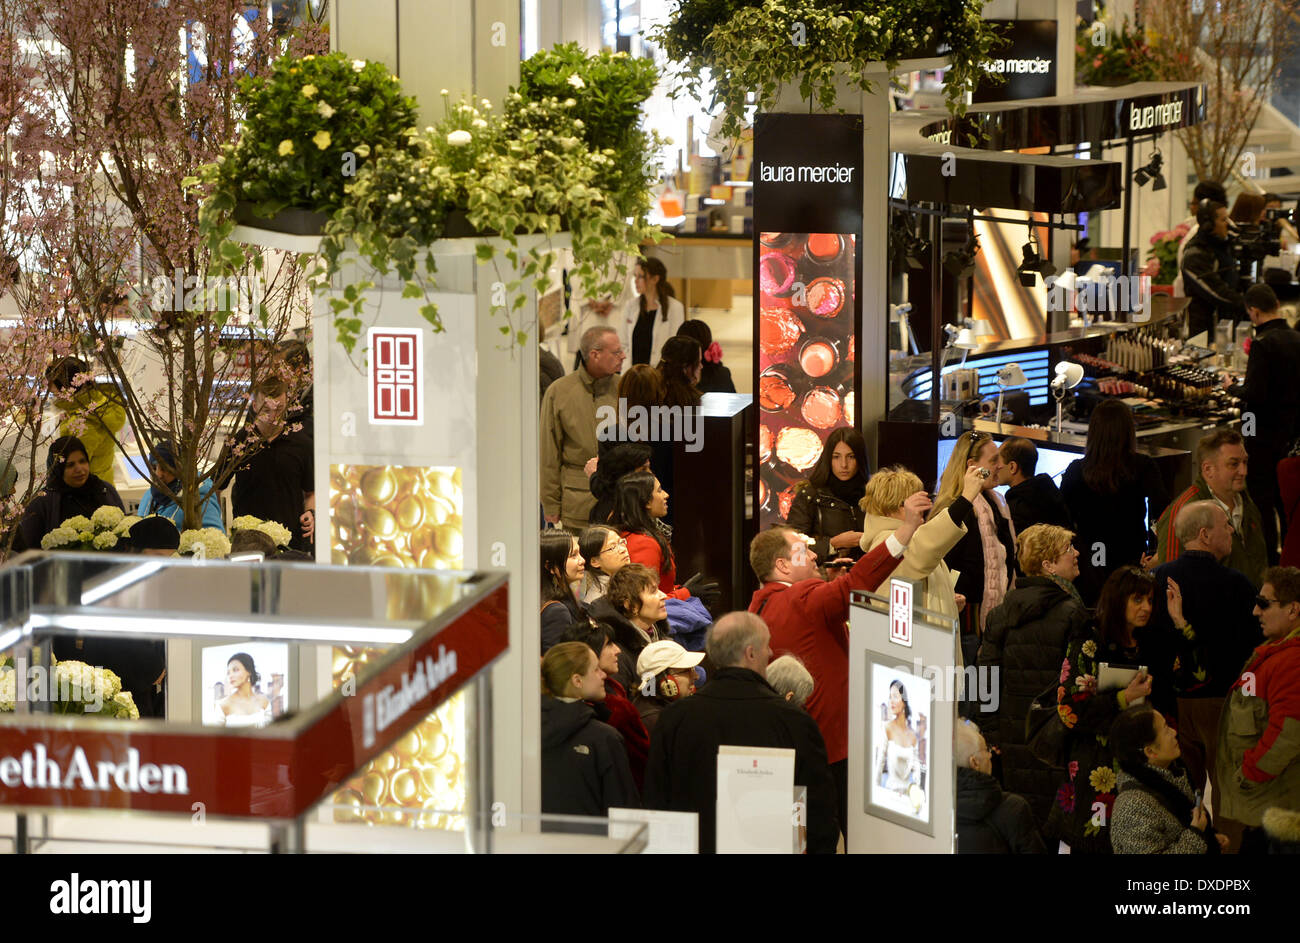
(105, 541)
(308, 91)
(576, 81)
(459, 138)
(107, 517)
(324, 110)
(80, 523)
(358, 65)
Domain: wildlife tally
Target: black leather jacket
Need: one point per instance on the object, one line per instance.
(819, 514)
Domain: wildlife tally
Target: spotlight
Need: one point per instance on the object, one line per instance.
(960, 263)
(1151, 172)
(1033, 266)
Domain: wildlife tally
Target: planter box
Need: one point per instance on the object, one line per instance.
(291, 221)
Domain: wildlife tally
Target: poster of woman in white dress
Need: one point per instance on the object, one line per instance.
(900, 760)
(244, 684)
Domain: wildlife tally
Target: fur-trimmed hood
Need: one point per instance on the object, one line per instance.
(1282, 825)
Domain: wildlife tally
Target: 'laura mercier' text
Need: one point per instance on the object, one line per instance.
(36, 770)
(789, 173)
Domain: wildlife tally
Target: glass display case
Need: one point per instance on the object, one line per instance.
(136, 684)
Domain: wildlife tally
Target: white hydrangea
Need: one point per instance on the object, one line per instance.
(85, 684)
(105, 541)
(124, 526)
(214, 543)
(60, 537)
(8, 689)
(123, 706)
(80, 523)
(107, 517)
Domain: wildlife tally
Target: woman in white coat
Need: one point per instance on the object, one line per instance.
(653, 316)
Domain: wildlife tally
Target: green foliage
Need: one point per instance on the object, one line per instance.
(751, 47)
(1107, 56)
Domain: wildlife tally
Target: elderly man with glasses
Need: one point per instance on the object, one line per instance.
(1259, 729)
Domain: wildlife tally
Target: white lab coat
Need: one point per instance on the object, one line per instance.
(662, 329)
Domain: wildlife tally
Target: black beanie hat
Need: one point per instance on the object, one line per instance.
(154, 533)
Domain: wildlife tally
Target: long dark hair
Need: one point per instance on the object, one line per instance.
(556, 547)
(1112, 606)
(821, 473)
(632, 514)
(591, 544)
(1112, 447)
(663, 290)
(1132, 732)
(680, 356)
(622, 459)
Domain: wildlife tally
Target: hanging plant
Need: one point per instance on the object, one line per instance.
(749, 48)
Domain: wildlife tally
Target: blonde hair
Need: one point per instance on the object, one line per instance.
(560, 663)
(1040, 543)
(887, 489)
(968, 447)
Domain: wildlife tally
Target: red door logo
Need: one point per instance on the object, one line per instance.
(396, 376)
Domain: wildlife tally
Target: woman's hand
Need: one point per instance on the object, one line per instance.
(1174, 598)
(960, 600)
(590, 467)
(1140, 686)
(846, 539)
(1223, 841)
(973, 483)
(914, 511)
(1199, 819)
(1147, 560)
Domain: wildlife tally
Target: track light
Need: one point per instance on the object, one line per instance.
(1151, 172)
(1033, 265)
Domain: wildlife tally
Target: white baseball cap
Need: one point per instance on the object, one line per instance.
(660, 656)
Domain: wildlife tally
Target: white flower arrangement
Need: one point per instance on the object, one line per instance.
(105, 541)
(80, 523)
(107, 517)
(207, 542)
(273, 529)
(124, 526)
(74, 688)
(60, 537)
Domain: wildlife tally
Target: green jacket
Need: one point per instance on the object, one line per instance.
(94, 417)
(1249, 551)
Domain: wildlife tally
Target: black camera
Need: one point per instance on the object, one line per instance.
(1255, 243)
(1274, 215)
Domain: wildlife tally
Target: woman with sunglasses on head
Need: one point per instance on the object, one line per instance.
(986, 557)
(604, 551)
(1115, 494)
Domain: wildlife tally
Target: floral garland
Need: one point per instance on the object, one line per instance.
(751, 48)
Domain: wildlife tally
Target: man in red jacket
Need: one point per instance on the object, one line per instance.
(808, 617)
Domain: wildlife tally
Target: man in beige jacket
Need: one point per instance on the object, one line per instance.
(568, 428)
(923, 563)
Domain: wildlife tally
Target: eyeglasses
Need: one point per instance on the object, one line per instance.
(1264, 602)
(616, 545)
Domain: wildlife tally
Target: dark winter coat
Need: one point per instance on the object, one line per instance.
(993, 822)
(1037, 500)
(1146, 822)
(1025, 641)
(1117, 522)
(1249, 549)
(629, 640)
(1217, 604)
(1212, 282)
(715, 378)
(1270, 389)
(821, 515)
(57, 503)
(736, 708)
(557, 616)
(584, 764)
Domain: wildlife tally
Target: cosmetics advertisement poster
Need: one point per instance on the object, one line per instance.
(899, 712)
(245, 684)
(807, 207)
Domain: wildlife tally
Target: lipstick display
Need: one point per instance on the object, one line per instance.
(806, 352)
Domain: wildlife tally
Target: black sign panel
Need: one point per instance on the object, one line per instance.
(807, 311)
(1029, 64)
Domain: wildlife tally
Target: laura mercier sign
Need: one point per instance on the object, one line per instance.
(1028, 65)
(805, 173)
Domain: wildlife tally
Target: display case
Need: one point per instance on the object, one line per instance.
(245, 719)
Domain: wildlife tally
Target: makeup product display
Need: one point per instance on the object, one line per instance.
(807, 352)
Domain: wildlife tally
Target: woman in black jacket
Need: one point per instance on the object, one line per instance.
(1024, 642)
(562, 570)
(1157, 812)
(584, 764)
(1081, 812)
(1115, 494)
(714, 377)
(825, 507)
(70, 491)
